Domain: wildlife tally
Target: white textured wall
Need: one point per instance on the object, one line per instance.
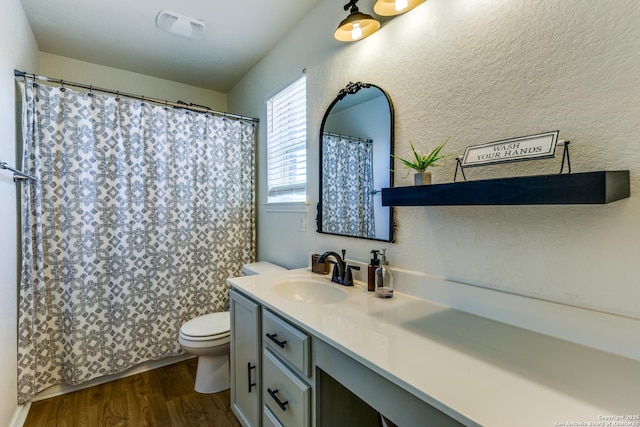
(17, 50)
(125, 81)
(483, 70)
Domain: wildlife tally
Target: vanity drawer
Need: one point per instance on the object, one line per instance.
(286, 341)
(268, 419)
(284, 394)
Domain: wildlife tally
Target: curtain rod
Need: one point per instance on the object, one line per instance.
(352, 138)
(179, 104)
(17, 174)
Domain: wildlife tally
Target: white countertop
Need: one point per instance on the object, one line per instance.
(476, 370)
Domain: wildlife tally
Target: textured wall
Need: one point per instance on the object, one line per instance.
(17, 50)
(125, 81)
(483, 70)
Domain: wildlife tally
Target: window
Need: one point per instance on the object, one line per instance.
(287, 144)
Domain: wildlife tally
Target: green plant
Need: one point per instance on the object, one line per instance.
(420, 162)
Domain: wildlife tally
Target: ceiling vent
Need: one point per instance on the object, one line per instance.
(180, 25)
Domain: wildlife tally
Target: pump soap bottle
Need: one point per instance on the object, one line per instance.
(371, 271)
(384, 278)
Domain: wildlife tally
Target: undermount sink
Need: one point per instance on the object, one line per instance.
(310, 291)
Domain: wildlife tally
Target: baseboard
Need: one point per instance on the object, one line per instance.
(60, 389)
(20, 416)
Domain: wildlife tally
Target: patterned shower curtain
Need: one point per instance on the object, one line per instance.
(347, 186)
(139, 214)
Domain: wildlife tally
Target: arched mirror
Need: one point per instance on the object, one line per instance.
(356, 143)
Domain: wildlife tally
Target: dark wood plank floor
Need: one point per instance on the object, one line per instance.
(158, 398)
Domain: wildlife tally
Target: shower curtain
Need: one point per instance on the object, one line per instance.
(138, 215)
(347, 186)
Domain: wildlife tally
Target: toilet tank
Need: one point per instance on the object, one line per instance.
(260, 267)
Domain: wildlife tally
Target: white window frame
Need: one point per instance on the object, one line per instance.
(287, 148)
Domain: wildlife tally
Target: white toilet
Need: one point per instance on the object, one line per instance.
(208, 337)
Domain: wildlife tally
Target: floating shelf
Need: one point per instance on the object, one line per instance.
(575, 188)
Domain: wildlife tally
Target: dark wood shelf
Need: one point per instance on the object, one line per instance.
(577, 188)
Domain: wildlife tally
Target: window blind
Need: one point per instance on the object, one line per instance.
(287, 144)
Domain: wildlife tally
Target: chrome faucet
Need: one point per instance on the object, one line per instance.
(341, 272)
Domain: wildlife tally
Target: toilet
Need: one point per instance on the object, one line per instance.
(209, 337)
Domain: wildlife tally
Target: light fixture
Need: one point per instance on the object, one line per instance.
(356, 26)
(180, 25)
(395, 7)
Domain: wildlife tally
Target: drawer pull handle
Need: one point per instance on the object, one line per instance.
(275, 340)
(249, 368)
(282, 405)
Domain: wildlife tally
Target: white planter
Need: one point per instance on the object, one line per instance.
(422, 178)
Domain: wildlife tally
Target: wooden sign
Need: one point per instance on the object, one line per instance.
(531, 147)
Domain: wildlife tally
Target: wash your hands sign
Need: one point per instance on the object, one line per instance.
(512, 150)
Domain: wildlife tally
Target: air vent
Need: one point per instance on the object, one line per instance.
(180, 25)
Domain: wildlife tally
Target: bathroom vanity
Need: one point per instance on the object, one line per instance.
(307, 352)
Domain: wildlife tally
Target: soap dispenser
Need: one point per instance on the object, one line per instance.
(384, 278)
(371, 271)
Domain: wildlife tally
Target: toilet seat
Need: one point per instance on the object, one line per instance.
(209, 337)
(210, 327)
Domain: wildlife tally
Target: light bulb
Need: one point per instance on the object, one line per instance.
(356, 33)
(401, 5)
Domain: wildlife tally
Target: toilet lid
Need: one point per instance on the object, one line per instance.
(207, 325)
(260, 267)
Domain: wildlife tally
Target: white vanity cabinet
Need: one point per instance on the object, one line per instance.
(245, 360)
(413, 362)
(274, 380)
(270, 368)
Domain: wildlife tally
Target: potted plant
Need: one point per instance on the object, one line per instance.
(421, 162)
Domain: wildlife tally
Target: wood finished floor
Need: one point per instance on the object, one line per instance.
(158, 398)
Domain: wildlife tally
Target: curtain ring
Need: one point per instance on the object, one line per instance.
(62, 88)
(118, 96)
(90, 91)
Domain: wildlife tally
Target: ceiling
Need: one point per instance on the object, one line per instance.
(123, 34)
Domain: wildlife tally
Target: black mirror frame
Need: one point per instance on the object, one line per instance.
(351, 89)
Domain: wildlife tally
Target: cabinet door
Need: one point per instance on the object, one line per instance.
(245, 360)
